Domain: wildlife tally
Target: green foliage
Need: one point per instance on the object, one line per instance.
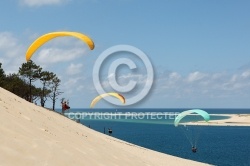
(30, 71)
(1, 71)
(46, 78)
(21, 84)
(2, 75)
(55, 90)
(16, 85)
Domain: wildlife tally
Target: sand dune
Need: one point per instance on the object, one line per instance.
(31, 135)
(233, 120)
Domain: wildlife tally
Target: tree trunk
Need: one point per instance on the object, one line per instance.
(54, 100)
(30, 92)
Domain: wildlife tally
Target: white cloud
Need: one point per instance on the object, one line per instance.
(37, 3)
(60, 50)
(11, 52)
(80, 88)
(123, 80)
(174, 76)
(195, 76)
(70, 84)
(74, 69)
(77, 86)
(206, 85)
(7, 41)
(246, 74)
(55, 55)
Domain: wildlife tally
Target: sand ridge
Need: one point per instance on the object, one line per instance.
(32, 135)
(233, 120)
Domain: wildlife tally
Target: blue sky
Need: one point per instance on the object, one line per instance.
(200, 50)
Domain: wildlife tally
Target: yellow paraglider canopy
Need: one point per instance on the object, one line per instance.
(117, 95)
(45, 38)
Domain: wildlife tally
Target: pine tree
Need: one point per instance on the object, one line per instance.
(46, 79)
(2, 76)
(30, 71)
(55, 90)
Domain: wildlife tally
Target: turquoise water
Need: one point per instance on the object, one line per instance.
(216, 145)
(148, 116)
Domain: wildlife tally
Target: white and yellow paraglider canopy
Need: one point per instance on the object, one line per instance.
(114, 94)
(49, 36)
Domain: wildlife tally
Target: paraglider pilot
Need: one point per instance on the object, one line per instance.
(194, 149)
(64, 107)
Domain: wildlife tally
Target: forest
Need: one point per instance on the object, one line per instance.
(32, 83)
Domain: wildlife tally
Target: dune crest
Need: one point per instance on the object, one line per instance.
(32, 135)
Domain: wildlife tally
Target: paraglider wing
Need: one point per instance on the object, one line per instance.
(117, 95)
(45, 38)
(204, 114)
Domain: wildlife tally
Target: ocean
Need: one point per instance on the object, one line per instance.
(154, 129)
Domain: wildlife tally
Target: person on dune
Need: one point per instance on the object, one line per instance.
(64, 107)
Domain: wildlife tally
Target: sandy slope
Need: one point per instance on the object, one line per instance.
(31, 135)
